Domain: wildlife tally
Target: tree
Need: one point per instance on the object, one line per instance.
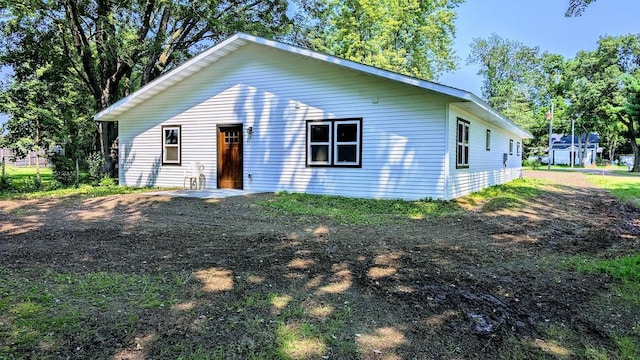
(519, 81)
(114, 47)
(577, 7)
(604, 88)
(412, 37)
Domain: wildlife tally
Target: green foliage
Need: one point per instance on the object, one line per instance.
(73, 58)
(534, 164)
(409, 37)
(64, 169)
(359, 211)
(5, 183)
(95, 163)
(107, 181)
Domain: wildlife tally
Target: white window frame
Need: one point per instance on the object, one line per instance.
(336, 144)
(510, 146)
(177, 146)
(333, 144)
(310, 162)
(463, 144)
(518, 148)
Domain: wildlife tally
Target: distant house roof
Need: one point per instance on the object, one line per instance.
(463, 99)
(564, 141)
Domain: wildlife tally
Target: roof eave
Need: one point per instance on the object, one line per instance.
(238, 40)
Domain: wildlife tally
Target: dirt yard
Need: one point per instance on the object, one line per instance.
(487, 282)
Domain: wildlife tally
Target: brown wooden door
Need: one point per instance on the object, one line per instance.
(230, 157)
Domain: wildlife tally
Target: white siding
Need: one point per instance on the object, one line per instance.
(275, 93)
(486, 167)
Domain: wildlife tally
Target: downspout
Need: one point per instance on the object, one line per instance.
(447, 165)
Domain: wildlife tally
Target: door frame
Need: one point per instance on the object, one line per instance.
(240, 127)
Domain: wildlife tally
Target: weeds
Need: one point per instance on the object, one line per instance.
(359, 211)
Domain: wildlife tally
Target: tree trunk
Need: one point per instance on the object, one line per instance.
(636, 156)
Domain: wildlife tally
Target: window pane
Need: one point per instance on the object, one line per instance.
(466, 155)
(347, 132)
(347, 153)
(488, 139)
(171, 136)
(319, 152)
(171, 153)
(459, 152)
(466, 134)
(320, 133)
(459, 132)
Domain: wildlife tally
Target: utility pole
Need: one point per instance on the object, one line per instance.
(550, 118)
(573, 153)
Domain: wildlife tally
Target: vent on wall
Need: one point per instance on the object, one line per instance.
(505, 159)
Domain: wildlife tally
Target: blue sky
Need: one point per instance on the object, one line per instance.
(537, 23)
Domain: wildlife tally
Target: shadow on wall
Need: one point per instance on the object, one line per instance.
(275, 154)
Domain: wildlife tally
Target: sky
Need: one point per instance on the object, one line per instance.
(536, 23)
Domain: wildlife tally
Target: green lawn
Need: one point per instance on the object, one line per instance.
(20, 183)
(627, 188)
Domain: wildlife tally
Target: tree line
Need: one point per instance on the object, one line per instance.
(596, 90)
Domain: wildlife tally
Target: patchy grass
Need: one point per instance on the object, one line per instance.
(359, 211)
(22, 180)
(83, 192)
(369, 211)
(511, 195)
(44, 312)
(627, 188)
(625, 269)
(626, 293)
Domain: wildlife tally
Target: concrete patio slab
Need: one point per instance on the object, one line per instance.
(203, 194)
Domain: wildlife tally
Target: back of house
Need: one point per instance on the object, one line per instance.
(265, 116)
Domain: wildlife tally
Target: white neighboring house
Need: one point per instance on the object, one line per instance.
(562, 150)
(265, 116)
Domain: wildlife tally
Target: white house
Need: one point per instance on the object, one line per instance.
(563, 149)
(266, 116)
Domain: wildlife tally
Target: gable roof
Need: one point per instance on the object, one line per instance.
(462, 99)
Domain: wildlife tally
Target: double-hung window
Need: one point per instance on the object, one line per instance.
(510, 146)
(462, 144)
(171, 145)
(335, 143)
(518, 148)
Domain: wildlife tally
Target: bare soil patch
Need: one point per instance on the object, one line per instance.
(483, 283)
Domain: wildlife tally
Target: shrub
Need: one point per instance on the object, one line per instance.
(107, 181)
(95, 163)
(63, 169)
(30, 184)
(5, 182)
(535, 164)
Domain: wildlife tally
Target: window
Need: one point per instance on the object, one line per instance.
(518, 148)
(334, 143)
(171, 145)
(462, 142)
(488, 141)
(510, 147)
